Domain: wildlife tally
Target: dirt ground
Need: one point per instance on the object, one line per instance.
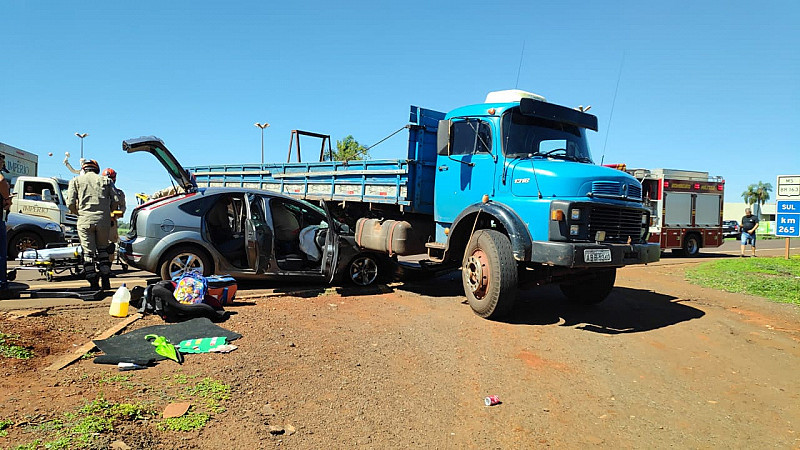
(661, 363)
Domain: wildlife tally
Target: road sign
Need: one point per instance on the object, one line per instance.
(788, 187)
(787, 221)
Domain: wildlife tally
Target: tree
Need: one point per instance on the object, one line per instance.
(757, 194)
(349, 149)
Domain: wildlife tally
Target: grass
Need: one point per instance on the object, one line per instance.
(10, 349)
(3, 425)
(187, 422)
(777, 279)
(97, 420)
(80, 429)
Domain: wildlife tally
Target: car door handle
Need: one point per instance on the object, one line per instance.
(443, 168)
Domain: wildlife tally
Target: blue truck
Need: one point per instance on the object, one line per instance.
(505, 190)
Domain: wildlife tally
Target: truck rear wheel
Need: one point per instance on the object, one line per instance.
(691, 245)
(489, 274)
(593, 290)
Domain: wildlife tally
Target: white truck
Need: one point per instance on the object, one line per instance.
(45, 197)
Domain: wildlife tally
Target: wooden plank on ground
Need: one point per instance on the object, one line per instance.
(65, 360)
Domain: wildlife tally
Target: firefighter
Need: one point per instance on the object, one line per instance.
(117, 214)
(5, 199)
(92, 197)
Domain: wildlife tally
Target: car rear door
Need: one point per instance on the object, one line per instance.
(257, 234)
(330, 254)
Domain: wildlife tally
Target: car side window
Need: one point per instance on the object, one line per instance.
(470, 137)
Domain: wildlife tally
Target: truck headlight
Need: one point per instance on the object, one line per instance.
(574, 230)
(575, 214)
(52, 226)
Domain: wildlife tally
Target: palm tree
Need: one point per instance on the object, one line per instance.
(757, 194)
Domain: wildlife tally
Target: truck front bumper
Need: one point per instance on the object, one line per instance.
(574, 255)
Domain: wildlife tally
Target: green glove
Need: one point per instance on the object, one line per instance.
(164, 348)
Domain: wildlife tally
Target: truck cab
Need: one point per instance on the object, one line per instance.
(45, 197)
(520, 169)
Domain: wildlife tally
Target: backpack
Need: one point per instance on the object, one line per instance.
(159, 299)
(191, 288)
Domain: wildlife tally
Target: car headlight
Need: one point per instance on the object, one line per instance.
(575, 214)
(52, 226)
(574, 230)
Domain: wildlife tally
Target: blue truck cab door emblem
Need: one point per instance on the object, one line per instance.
(522, 180)
(468, 171)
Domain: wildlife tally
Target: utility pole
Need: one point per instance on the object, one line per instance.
(81, 135)
(262, 126)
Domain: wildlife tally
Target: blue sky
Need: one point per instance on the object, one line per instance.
(709, 86)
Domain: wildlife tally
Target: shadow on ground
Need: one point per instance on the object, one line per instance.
(625, 310)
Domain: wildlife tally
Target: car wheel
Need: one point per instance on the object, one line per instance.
(24, 240)
(182, 259)
(363, 270)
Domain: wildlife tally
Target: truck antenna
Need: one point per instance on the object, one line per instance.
(519, 69)
(613, 102)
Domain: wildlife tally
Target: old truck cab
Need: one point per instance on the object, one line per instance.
(521, 169)
(45, 197)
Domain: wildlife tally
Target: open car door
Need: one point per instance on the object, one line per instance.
(257, 235)
(330, 254)
(156, 147)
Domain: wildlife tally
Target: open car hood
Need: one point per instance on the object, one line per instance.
(156, 147)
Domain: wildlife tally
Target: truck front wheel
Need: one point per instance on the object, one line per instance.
(489, 274)
(593, 290)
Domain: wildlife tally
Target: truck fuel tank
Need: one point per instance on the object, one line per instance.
(394, 237)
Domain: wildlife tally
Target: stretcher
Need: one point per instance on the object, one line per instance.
(55, 261)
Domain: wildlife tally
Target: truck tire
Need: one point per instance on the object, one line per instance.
(593, 290)
(489, 274)
(183, 258)
(691, 246)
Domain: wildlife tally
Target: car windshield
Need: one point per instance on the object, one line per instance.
(525, 136)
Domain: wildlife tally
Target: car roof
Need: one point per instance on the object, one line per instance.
(239, 190)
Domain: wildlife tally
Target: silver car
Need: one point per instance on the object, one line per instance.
(247, 233)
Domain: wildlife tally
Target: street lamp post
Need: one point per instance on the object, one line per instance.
(81, 135)
(262, 126)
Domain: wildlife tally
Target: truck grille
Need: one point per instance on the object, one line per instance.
(615, 189)
(618, 223)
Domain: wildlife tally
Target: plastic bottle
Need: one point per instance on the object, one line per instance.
(120, 302)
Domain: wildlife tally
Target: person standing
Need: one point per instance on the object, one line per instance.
(116, 214)
(5, 198)
(92, 197)
(749, 227)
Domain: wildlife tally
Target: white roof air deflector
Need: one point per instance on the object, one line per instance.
(511, 96)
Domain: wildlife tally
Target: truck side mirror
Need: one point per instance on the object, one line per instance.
(443, 138)
(47, 195)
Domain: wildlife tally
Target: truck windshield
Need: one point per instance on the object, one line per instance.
(533, 136)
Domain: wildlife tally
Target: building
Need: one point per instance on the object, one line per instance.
(735, 211)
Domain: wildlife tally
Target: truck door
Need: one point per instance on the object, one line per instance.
(37, 197)
(468, 173)
(258, 235)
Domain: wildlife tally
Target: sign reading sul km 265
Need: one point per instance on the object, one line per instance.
(787, 221)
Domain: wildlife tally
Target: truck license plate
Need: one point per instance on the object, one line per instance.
(597, 255)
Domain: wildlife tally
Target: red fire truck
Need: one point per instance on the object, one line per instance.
(685, 205)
